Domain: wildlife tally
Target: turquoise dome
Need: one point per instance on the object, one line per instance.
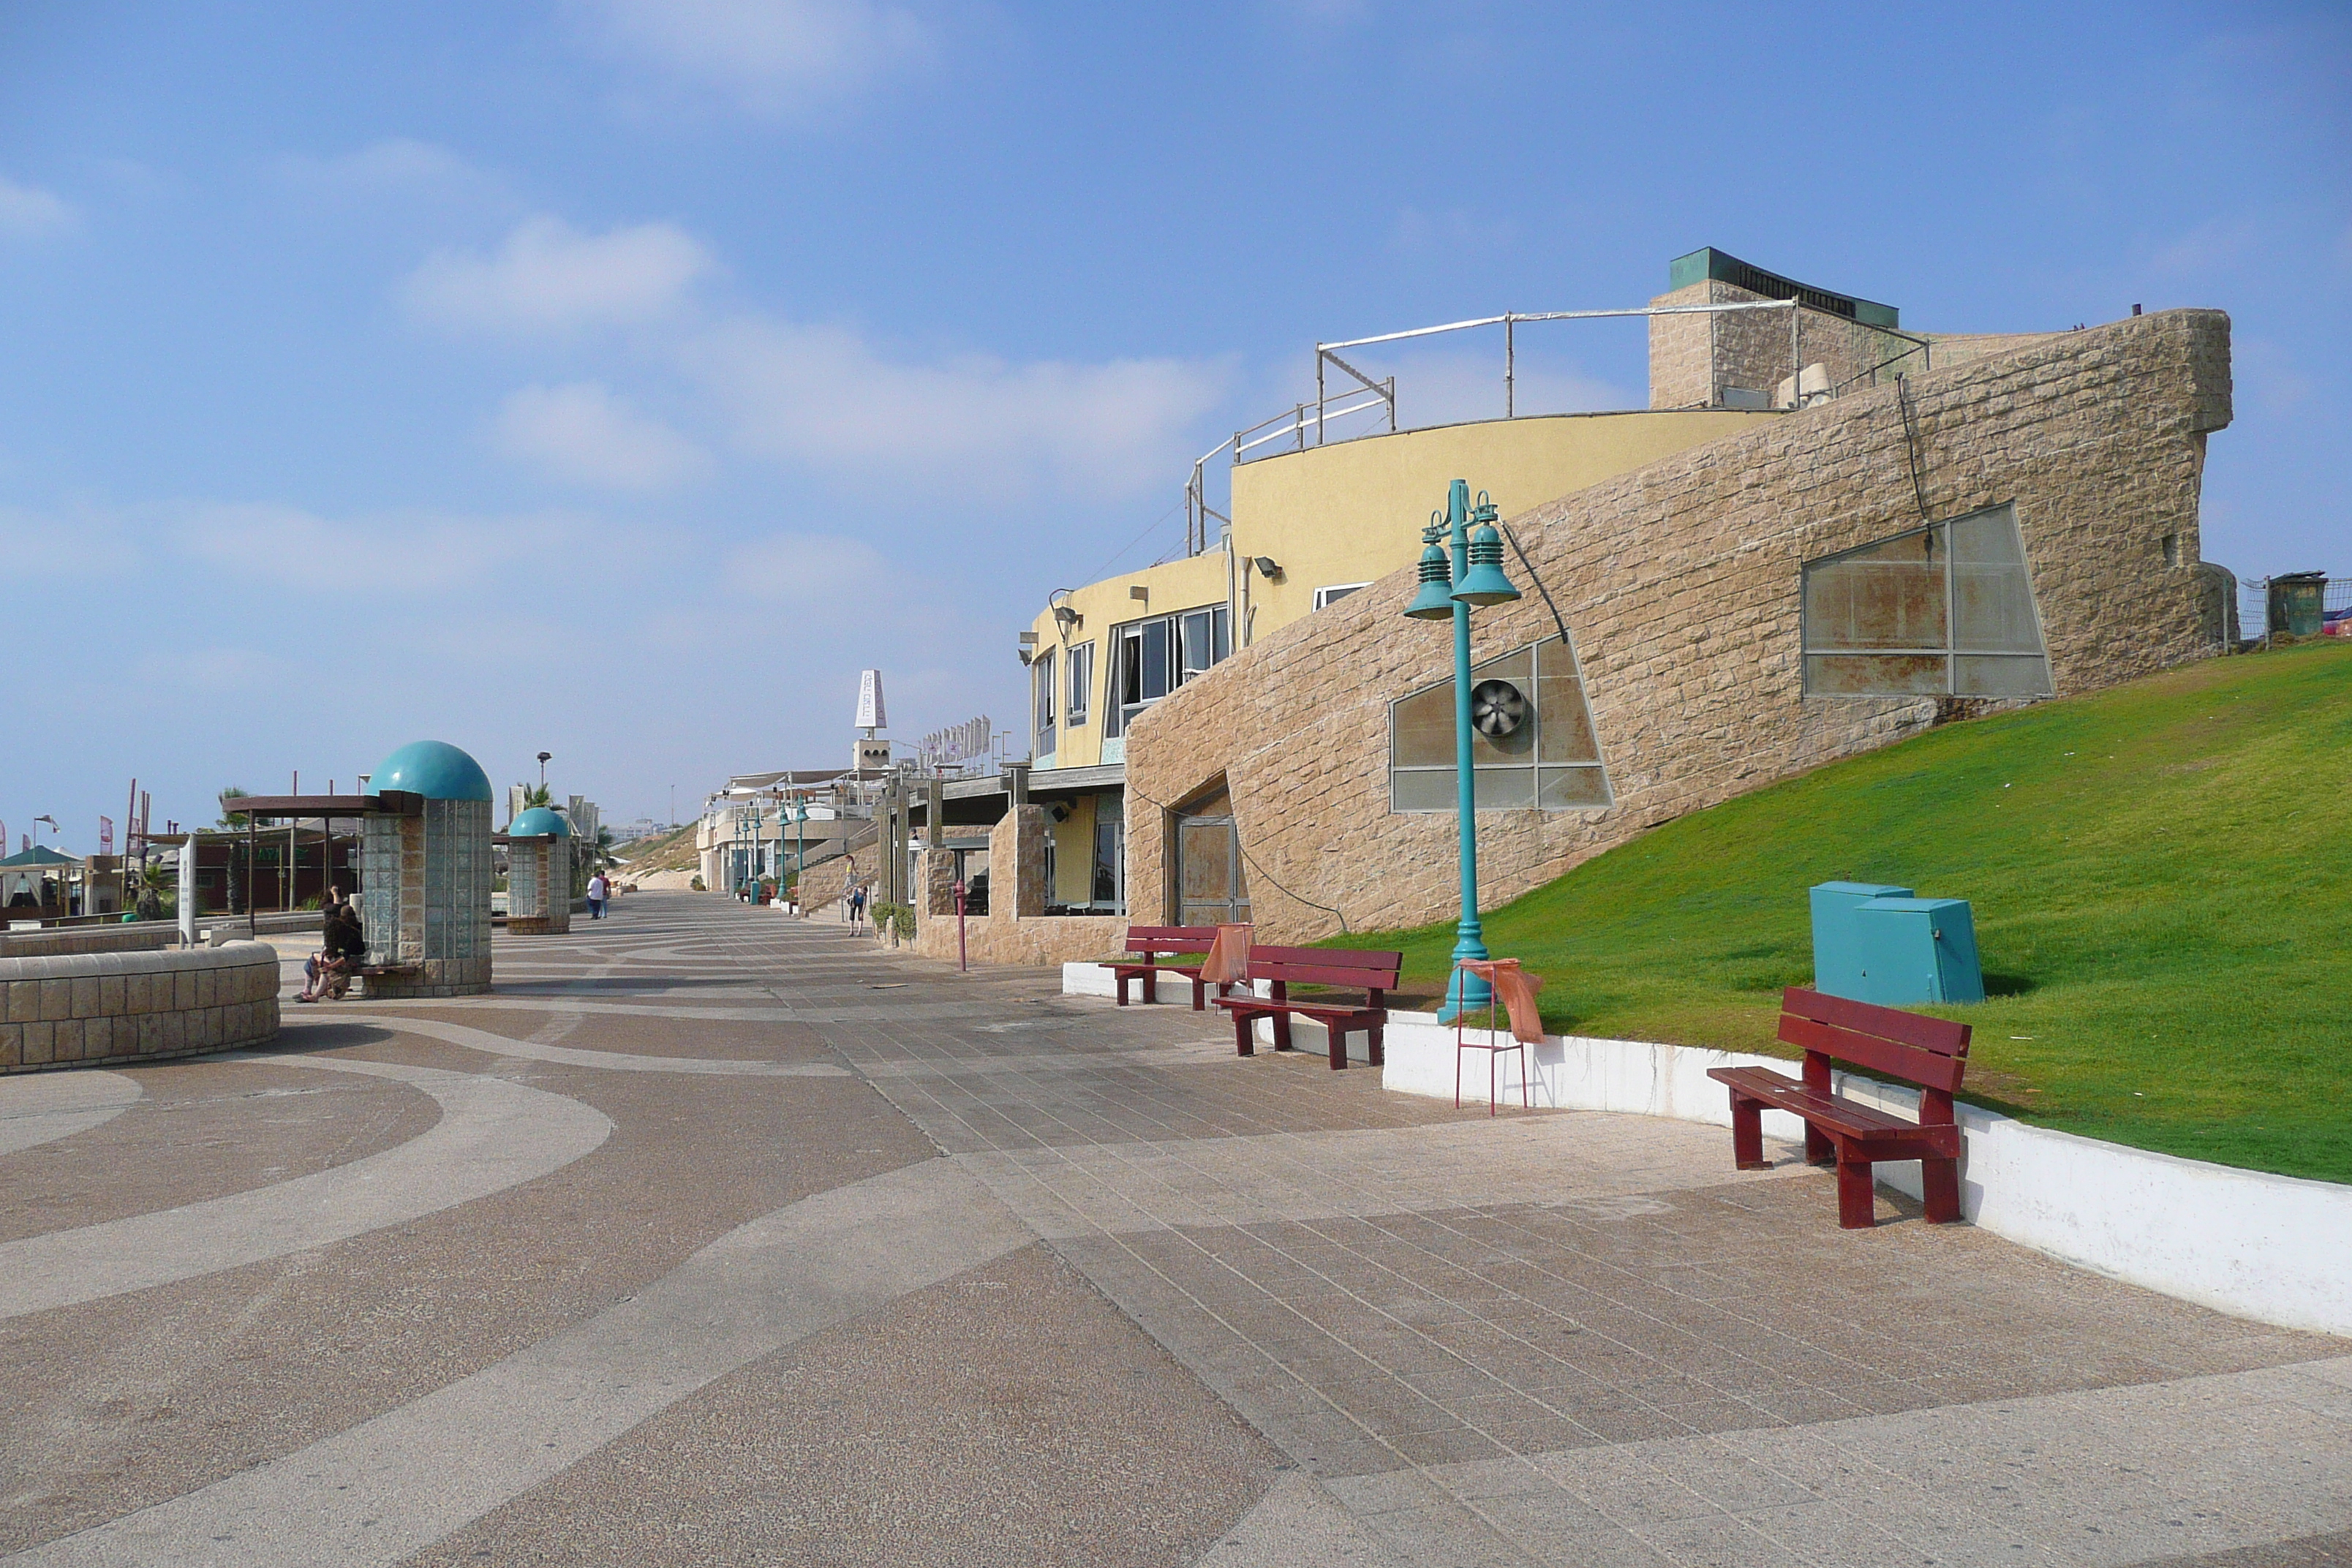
(539, 823)
(433, 769)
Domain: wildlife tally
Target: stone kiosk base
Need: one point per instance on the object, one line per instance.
(95, 1007)
(430, 977)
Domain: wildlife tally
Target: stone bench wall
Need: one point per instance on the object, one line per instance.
(100, 1007)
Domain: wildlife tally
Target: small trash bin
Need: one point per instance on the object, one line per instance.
(1917, 950)
(2298, 604)
(1837, 943)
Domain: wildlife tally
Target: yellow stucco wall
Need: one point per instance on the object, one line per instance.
(1073, 851)
(1186, 585)
(1352, 512)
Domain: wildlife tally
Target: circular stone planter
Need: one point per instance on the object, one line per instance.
(93, 1008)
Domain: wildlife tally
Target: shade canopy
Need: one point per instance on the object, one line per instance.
(433, 769)
(39, 854)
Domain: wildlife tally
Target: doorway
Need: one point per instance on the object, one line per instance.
(1212, 887)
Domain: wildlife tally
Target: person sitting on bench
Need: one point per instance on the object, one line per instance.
(329, 970)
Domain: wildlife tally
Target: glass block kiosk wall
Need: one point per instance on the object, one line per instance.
(425, 879)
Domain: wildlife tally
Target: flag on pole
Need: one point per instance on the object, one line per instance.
(106, 836)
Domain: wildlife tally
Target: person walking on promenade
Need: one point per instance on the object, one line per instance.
(857, 908)
(599, 890)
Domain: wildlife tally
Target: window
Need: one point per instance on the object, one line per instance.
(1531, 747)
(1942, 611)
(1082, 683)
(1150, 659)
(1335, 593)
(1041, 681)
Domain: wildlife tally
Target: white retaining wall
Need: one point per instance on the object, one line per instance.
(2274, 1248)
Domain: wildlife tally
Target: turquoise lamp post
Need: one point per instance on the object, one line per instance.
(1449, 587)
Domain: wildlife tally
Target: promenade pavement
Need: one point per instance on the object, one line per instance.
(715, 1236)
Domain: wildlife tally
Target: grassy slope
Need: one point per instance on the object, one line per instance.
(2159, 881)
(672, 851)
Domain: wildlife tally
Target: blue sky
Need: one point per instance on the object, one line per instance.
(617, 378)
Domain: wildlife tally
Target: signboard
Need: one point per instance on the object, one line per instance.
(960, 743)
(869, 700)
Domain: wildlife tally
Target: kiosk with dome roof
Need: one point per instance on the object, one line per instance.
(538, 873)
(425, 874)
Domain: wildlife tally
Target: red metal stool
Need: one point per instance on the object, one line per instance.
(1488, 969)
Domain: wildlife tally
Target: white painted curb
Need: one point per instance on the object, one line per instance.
(2277, 1249)
(2274, 1248)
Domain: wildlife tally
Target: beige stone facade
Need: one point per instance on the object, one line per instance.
(82, 1009)
(1680, 584)
(1016, 930)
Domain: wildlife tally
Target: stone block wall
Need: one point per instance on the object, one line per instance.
(826, 881)
(1693, 358)
(91, 1008)
(1680, 585)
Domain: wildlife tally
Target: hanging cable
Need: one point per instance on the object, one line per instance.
(1540, 586)
(1261, 871)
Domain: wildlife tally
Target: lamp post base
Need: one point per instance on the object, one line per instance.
(1465, 991)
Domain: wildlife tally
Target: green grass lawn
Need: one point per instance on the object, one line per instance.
(2159, 881)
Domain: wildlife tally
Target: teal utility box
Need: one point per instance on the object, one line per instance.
(1917, 950)
(1837, 943)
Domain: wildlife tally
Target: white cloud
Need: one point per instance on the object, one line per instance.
(767, 56)
(581, 433)
(28, 212)
(2211, 247)
(396, 553)
(823, 397)
(548, 277)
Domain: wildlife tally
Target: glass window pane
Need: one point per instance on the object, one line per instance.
(1155, 639)
(1506, 789)
(1420, 729)
(1420, 789)
(1862, 675)
(1223, 648)
(1993, 594)
(1888, 595)
(2002, 675)
(1193, 645)
(1082, 681)
(1566, 789)
(1566, 733)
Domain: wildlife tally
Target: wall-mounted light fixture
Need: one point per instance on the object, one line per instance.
(1065, 617)
(1028, 647)
(1268, 569)
(1138, 591)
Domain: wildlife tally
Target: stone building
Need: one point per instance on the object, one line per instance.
(2017, 518)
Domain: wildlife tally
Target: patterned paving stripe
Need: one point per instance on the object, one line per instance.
(40, 1108)
(2099, 1479)
(390, 1487)
(567, 1055)
(492, 1135)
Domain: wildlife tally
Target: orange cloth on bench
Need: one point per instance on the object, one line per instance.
(1228, 959)
(1516, 989)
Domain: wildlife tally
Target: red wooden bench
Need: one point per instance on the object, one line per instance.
(1930, 1053)
(1147, 943)
(1374, 974)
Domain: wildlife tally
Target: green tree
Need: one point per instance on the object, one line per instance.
(536, 795)
(233, 818)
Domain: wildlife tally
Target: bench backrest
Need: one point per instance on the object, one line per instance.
(1349, 966)
(1168, 938)
(1930, 1052)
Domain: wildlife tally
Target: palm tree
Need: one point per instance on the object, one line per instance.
(536, 795)
(233, 818)
(603, 846)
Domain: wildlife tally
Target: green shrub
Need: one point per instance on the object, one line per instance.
(894, 920)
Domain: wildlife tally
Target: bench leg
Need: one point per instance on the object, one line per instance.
(1282, 1031)
(1819, 1150)
(1373, 1048)
(1151, 986)
(1747, 1134)
(1939, 1181)
(1856, 1208)
(1200, 990)
(1243, 1027)
(1122, 988)
(1339, 1042)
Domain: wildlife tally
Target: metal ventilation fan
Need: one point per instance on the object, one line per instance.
(1497, 708)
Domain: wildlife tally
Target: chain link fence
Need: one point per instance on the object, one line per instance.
(2297, 596)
